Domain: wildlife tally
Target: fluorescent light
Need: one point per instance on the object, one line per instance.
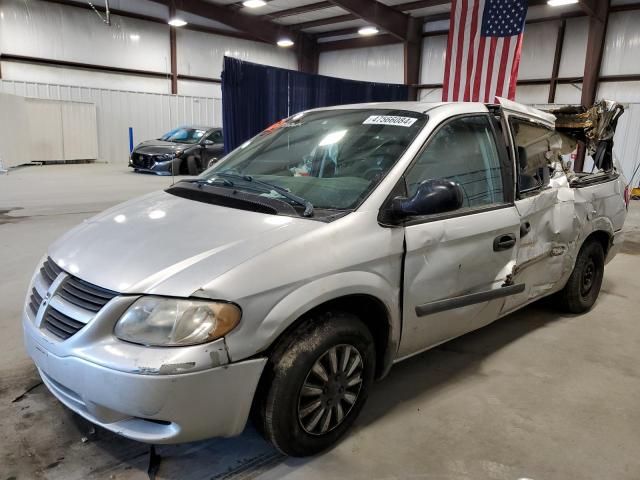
(254, 3)
(135, 37)
(177, 22)
(559, 3)
(285, 42)
(366, 31)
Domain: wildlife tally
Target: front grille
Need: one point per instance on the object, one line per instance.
(60, 324)
(49, 271)
(34, 301)
(85, 295)
(142, 161)
(76, 292)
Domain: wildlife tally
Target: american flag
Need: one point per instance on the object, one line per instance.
(483, 50)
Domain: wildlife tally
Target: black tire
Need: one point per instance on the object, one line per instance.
(280, 402)
(192, 166)
(583, 286)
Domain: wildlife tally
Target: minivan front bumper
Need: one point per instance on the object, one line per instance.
(159, 409)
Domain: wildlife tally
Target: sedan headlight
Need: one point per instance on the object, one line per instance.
(171, 322)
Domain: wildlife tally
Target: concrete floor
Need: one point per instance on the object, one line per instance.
(536, 395)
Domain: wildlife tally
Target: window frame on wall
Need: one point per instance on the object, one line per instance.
(504, 162)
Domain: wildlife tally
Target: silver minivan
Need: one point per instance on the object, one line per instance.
(286, 278)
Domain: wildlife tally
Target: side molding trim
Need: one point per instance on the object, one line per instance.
(469, 299)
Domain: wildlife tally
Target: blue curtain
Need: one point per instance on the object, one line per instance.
(256, 96)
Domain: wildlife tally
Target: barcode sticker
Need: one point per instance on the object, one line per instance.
(390, 120)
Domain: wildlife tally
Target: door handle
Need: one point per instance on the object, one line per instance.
(504, 242)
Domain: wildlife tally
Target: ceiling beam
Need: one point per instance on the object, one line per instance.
(387, 18)
(324, 21)
(359, 42)
(595, 8)
(253, 25)
(312, 7)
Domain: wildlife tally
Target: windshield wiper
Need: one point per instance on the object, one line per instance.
(308, 206)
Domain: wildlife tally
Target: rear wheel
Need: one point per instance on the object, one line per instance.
(316, 384)
(583, 287)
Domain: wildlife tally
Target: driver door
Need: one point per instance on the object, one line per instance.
(458, 264)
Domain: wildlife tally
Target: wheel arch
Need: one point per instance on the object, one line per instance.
(367, 296)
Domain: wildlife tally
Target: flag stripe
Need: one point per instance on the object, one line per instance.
(447, 63)
(504, 61)
(471, 51)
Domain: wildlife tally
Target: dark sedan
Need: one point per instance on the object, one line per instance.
(182, 151)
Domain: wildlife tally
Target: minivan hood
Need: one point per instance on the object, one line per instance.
(166, 245)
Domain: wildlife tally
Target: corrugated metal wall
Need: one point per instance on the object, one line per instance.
(373, 64)
(149, 114)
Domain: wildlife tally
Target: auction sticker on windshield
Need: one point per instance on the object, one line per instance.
(390, 120)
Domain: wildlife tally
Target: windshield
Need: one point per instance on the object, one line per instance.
(183, 135)
(330, 158)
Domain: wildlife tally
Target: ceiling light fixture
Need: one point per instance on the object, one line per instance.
(285, 42)
(254, 3)
(177, 22)
(367, 31)
(559, 3)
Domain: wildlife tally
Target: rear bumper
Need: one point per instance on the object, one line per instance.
(151, 408)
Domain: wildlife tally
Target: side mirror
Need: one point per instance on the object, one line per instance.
(432, 196)
(208, 142)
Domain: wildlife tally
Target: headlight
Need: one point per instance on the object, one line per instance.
(170, 322)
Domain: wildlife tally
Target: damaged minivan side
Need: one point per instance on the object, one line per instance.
(288, 277)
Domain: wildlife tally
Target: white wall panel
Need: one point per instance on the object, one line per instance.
(532, 94)
(26, 72)
(372, 64)
(568, 94)
(538, 50)
(574, 48)
(434, 50)
(626, 146)
(60, 32)
(430, 95)
(623, 92)
(14, 131)
(149, 114)
(44, 123)
(192, 88)
(622, 45)
(201, 54)
(79, 131)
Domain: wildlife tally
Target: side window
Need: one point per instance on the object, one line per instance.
(533, 143)
(464, 151)
(215, 136)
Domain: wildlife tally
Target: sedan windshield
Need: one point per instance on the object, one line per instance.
(330, 159)
(184, 135)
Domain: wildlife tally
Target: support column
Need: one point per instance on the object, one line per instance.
(308, 54)
(413, 56)
(593, 61)
(173, 53)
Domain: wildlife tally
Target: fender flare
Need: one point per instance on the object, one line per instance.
(322, 290)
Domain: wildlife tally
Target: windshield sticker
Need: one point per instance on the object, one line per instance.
(390, 120)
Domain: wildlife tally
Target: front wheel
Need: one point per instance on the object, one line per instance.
(316, 384)
(583, 286)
